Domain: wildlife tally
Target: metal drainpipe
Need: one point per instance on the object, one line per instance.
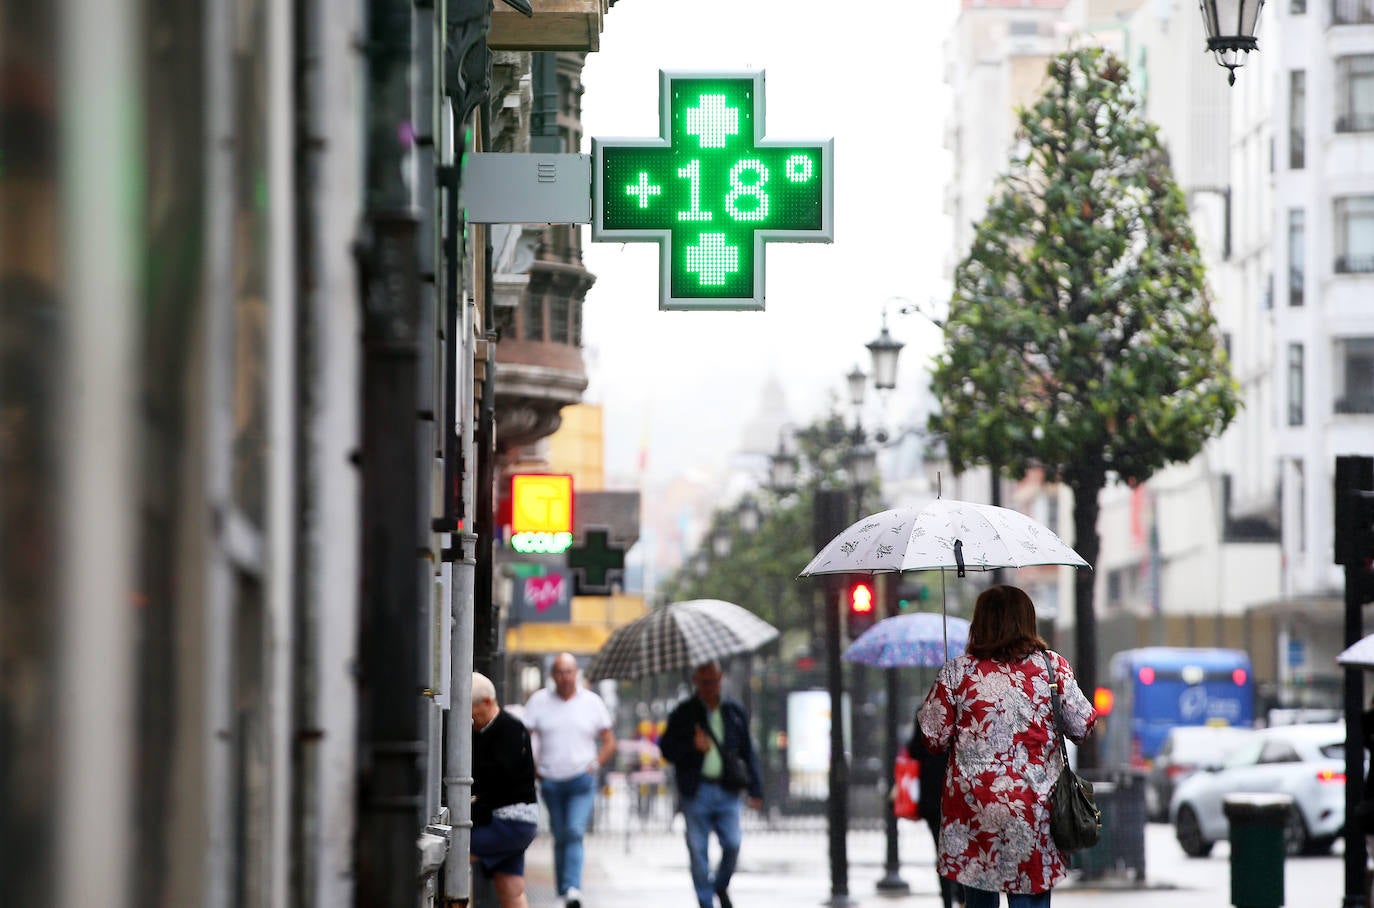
(392, 752)
(485, 622)
(458, 742)
(458, 750)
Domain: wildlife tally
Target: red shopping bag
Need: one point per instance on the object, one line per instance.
(906, 785)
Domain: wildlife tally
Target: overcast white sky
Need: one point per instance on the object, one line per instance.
(868, 74)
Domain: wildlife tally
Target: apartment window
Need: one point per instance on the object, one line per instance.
(1354, 217)
(1297, 241)
(1297, 7)
(1355, 93)
(1297, 119)
(1354, 377)
(1269, 291)
(505, 322)
(1295, 385)
(534, 317)
(558, 318)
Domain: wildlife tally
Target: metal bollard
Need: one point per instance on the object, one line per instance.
(1257, 848)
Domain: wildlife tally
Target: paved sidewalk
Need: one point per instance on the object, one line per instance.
(788, 869)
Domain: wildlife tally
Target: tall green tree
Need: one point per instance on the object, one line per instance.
(1080, 338)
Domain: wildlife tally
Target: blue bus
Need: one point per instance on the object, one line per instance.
(1157, 688)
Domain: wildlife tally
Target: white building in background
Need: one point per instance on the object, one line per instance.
(1323, 223)
(995, 56)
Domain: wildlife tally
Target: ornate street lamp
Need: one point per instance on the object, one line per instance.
(782, 469)
(748, 515)
(884, 350)
(721, 541)
(857, 382)
(862, 462)
(1230, 28)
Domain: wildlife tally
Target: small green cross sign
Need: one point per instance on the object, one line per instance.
(595, 561)
(711, 191)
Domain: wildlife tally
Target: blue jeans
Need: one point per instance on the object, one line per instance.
(981, 898)
(570, 804)
(712, 808)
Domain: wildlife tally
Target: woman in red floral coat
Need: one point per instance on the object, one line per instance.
(991, 708)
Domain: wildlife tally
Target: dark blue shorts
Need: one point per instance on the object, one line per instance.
(500, 846)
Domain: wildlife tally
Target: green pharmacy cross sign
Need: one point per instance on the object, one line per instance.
(711, 191)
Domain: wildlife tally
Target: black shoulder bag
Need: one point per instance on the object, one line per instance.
(734, 770)
(1075, 821)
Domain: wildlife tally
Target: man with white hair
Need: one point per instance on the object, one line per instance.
(505, 814)
(573, 739)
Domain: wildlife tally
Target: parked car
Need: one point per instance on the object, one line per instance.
(1305, 761)
(1187, 749)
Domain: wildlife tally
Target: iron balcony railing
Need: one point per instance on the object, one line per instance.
(1355, 122)
(1356, 403)
(1354, 264)
(1352, 12)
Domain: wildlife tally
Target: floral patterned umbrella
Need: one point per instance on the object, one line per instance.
(945, 533)
(914, 640)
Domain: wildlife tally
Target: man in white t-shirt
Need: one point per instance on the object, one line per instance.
(571, 728)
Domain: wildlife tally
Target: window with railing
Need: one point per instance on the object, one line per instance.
(1354, 378)
(1297, 245)
(1352, 12)
(1297, 119)
(534, 317)
(558, 318)
(1295, 385)
(1354, 223)
(505, 322)
(1355, 93)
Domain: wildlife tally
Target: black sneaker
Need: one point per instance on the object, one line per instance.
(724, 899)
(573, 899)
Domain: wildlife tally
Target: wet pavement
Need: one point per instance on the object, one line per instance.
(788, 865)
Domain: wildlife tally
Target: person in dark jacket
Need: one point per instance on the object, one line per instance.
(709, 782)
(505, 812)
(932, 785)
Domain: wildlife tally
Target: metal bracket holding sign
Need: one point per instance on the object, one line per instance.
(501, 188)
(712, 191)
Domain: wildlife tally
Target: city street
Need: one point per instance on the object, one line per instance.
(790, 868)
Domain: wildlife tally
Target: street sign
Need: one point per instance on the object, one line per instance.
(712, 191)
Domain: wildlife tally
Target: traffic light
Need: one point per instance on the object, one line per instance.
(911, 595)
(1354, 536)
(861, 607)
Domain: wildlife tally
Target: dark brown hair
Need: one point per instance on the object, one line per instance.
(1003, 626)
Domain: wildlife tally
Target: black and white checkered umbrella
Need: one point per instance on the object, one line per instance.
(678, 637)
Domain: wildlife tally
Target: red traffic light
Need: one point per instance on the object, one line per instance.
(861, 599)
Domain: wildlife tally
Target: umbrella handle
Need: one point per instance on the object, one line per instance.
(959, 556)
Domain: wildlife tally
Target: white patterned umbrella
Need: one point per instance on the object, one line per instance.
(1360, 654)
(680, 636)
(945, 533)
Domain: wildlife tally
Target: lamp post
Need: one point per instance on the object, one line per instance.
(884, 350)
(782, 481)
(1230, 28)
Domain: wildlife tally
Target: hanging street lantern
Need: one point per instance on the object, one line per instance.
(884, 350)
(1231, 31)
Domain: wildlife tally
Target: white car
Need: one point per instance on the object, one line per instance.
(1305, 761)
